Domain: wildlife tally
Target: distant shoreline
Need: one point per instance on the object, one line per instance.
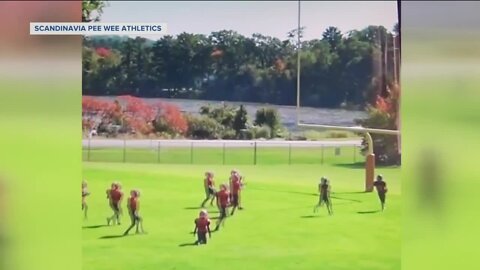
(288, 114)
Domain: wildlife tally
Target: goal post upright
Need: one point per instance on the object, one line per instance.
(370, 155)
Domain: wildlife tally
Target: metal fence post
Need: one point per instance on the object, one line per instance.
(158, 152)
(223, 154)
(255, 153)
(322, 152)
(88, 150)
(191, 153)
(124, 150)
(289, 154)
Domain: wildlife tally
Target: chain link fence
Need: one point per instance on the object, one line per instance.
(222, 151)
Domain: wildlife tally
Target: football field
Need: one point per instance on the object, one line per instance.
(276, 230)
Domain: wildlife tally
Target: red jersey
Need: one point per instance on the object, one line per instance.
(133, 203)
(223, 198)
(210, 183)
(235, 177)
(115, 195)
(236, 186)
(202, 224)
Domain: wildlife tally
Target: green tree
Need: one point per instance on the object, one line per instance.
(336, 70)
(333, 36)
(268, 117)
(240, 120)
(134, 67)
(92, 10)
(384, 115)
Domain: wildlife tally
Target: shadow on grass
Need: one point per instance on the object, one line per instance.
(188, 244)
(94, 226)
(368, 212)
(113, 236)
(361, 165)
(358, 165)
(310, 216)
(343, 199)
(193, 208)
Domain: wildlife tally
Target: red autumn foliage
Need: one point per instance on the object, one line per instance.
(133, 112)
(172, 115)
(138, 108)
(139, 125)
(138, 114)
(280, 65)
(96, 107)
(87, 124)
(389, 104)
(382, 104)
(103, 52)
(216, 53)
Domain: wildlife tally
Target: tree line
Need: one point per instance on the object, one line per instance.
(337, 69)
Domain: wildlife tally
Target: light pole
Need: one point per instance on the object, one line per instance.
(394, 58)
(298, 64)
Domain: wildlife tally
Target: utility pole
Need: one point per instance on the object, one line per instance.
(394, 59)
(385, 55)
(298, 64)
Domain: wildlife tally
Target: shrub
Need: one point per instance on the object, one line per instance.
(268, 117)
(134, 115)
(161, 125)
(102, 128)
(282, 132)
(240, 120)
(299, 138)
(165, 135)
(249, 134)
(223, 114)
(263, 132)
(203, 127)
(313, 135)
(170, 119)
(337, 135)
(229, 134)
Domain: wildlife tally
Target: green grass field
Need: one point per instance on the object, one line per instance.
(229, 156)
(277, 229)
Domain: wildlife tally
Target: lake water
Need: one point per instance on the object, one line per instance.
(320, 116)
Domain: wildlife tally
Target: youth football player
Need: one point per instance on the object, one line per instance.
(133, 205)
(381, 187)
(324, 190)
(85, 193)
(223, 201)
(115, 196)
(209, 185)
(235, 189)
(236, 177)
(202, 226)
